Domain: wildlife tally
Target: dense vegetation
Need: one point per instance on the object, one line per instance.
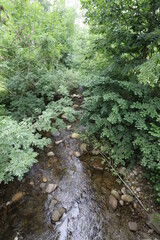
(35, 79)
(122, 97)
(41, 54)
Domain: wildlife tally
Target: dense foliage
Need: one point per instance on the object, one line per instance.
(122, 97)
(35, 79)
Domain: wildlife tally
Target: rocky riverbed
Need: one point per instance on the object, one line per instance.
(67, 195)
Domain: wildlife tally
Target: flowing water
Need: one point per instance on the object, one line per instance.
(82, 190)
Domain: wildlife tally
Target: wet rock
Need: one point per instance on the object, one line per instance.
(17, 197)
(42, 186)
(51, 187)
(50, 154)
(44, 179)
(122, 171)
(69, 127)
(127, 198)
(115, 194)
(57, 214)
(75, 135)
(83, 148)
(52, 204)
(77, 154)
(153, 222)
(113, 203)
(132, 226)
(58, 142)
(95, 152)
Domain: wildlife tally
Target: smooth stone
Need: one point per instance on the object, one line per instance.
(17, 197)
(75, 135)
(57, 214)
(50, 154)
(76, 106)
(44, 179)
(58, 142)
(83, 148)
(64, 117)
(121, 202)
(153, 222)
(77, 154)
(52, 204)
(69, 127)
(51, 187)
(127, 198)
(115, 194)
(31, 183)
(132, 226)
(113, 203)
(135, 205)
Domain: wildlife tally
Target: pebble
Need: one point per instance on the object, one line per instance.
(127, 198)
(51, 187)
(121, 202)
(77, 154)
(133, 226)
(57, 214)
(50, 154)
(75, 135)
(17, 197)
(135, 205)
(115, 194)
(58, 142)
(123, 190)
(69, 127)
(44, 179)
(31, 183)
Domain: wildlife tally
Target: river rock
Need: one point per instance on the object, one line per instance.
(75, 135)
(58, 142)
(121, 202)
(69, 127)
(17, 197)
(50, 154)
(83, 148)
(127, 198)
(153, 222)
(52, 204)
(132, 226)
(113, 203)
(44, 179)
(51, 187)
(77, 154)
(57, 214)
(115, 194)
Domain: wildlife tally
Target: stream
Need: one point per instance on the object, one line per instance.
(81, 192)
